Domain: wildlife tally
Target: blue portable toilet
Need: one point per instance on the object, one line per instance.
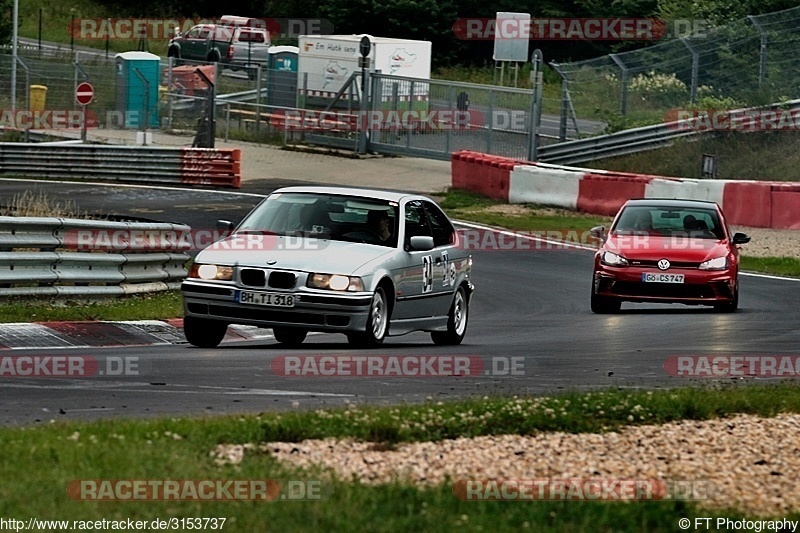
(137, 88)
(282, 76)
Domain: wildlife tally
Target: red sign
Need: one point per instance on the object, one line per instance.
(84, 93)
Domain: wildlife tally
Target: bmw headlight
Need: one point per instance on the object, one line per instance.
(718, 263)
(612, 259)
(211, 272)
(335, 282)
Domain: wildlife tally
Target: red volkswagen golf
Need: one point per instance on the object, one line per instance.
(667, 251)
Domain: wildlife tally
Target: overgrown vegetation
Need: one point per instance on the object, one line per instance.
(33, 203)
(743, 155)
(40, 462)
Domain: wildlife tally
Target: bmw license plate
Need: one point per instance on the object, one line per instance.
(649, 277)
(270, 299)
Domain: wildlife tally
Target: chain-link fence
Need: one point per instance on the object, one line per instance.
(748, 62)
(438, 116)
(425, 117)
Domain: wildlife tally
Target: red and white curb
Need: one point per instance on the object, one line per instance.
(48, 335)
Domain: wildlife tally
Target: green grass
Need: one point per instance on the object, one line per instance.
(779, 266)
(39, 462)
(137, 307)
(752, 156)
(468, 206)
(57, 16)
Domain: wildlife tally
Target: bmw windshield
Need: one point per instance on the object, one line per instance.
(327, 216)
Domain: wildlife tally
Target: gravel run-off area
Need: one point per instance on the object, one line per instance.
(765, 242)
(744, 462)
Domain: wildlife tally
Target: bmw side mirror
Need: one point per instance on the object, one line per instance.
(225, 225)
(598, 232)
(740, 238)
(421, 243)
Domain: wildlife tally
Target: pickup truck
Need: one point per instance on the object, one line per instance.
(234, 47)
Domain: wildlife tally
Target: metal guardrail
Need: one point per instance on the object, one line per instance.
(195, 166)
(85, 258)
(638, 139)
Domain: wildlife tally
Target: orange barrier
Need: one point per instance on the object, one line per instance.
(210, 166)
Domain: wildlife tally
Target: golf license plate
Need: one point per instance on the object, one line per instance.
(269, 299)
(649, 277)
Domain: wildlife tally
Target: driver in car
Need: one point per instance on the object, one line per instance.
(378, 221)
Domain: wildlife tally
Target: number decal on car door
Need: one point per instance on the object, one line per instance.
(448, 271)
(427, 274)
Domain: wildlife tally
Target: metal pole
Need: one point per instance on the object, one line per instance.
(562, 122)
(141, 76)
(170, 64)
(623, 94)
(83, 125)
(363, 140)
(695, 68)
(258, 100)
(14, 37)
(762, 54)
(40, 28)
(536, 105)
(490, 123)
(227, 119)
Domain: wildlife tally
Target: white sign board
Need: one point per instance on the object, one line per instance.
(511, 36)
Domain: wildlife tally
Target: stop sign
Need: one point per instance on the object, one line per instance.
(84, 93)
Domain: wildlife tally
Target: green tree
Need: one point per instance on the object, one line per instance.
(6, 22)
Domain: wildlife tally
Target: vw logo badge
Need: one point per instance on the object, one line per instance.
(663, 264)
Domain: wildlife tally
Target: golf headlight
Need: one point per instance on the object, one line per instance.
(211, 272)
(718, 263)
(612, 259)
(335, 282)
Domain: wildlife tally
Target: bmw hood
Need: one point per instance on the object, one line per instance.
(650, 247)
(291, 253)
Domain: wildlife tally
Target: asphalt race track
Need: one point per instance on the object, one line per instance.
(531, 307)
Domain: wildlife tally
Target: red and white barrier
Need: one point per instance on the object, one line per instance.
(748, 203)
(544, 184)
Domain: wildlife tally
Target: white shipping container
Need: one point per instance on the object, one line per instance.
(329, 60)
